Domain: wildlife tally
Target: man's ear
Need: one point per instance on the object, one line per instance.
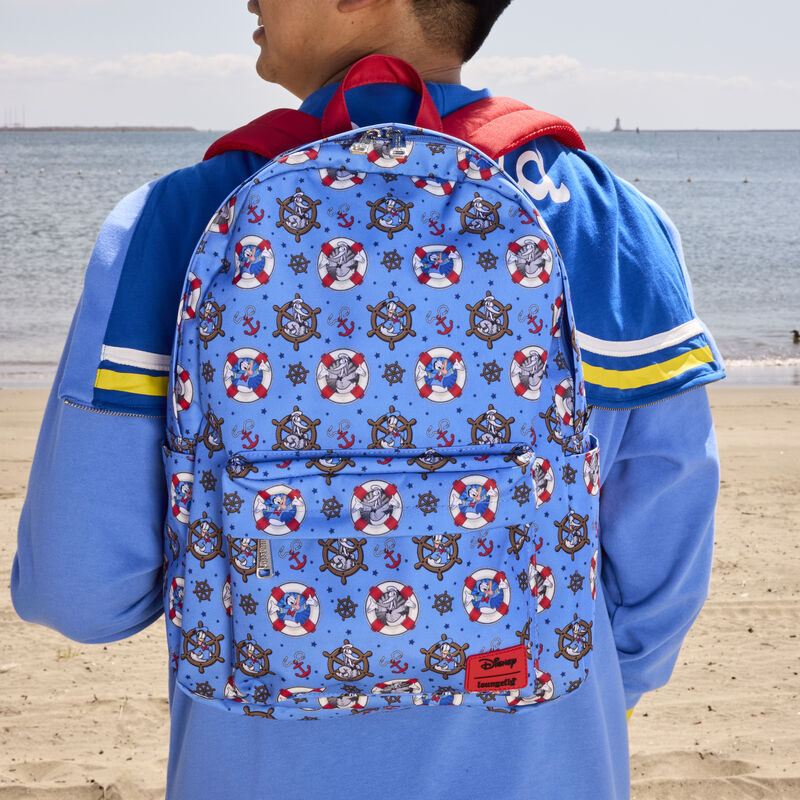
(354, 5)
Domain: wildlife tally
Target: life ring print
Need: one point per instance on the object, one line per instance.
(593, 575)
(438, 266)
(176, 589)
(543, 480)
(191, 298)
(247, 375)
(434, 187)
(222, 221)
(342, 264)
(293, 609)
(182, 390)
(376, 507)
(180, 495)
(564, 398)
(440, 374)
(278, 510)
(543, 690)
(542, 584)
(438, 699)
(398, 686)
(300, 156)
(379, 152)
(254, 262)
(296, 692)
(341, 178)
(227, 597)
(530, 261)
(473, 501)
(527, 372)
(474, 165)
(591, 471)
(486, 595)
(343, 702)
(342, 376)
(391, 608)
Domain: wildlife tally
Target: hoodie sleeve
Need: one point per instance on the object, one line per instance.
(657, 523)
(88, 559)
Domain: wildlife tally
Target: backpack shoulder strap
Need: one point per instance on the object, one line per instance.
(270, 135)
(498, 125)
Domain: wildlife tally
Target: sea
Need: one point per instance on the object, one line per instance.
(734, 196)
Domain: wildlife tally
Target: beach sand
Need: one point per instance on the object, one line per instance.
(78, 721)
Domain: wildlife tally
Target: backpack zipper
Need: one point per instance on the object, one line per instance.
(109, 412)
(397, 137)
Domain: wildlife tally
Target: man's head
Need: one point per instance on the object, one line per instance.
(308, 43)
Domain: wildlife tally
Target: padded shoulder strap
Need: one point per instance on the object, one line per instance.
(495, 125)
(271, 134)
(498, 125)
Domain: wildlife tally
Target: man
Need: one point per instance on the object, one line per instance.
(643, 347)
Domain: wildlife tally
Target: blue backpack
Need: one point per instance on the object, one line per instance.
(382, 492)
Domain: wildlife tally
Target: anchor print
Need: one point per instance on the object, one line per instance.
(528, 430)
(254, 213)
(440, 318)
(440, 433)
(246, 321)
(245, 433)
(392, 561)
(394, 662)
(344, 220)
(302, 670)
(340, 433)
(524, 217)
(436, 228)
(346, 327)
(531, 317)
(293, 554)
(485, 547)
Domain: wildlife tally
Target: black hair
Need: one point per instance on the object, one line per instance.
(462, 23)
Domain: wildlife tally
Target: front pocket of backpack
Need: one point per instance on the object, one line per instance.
(369, 578)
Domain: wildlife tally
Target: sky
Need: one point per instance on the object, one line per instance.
(726, 64)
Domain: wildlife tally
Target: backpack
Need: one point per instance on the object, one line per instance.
(382, 492)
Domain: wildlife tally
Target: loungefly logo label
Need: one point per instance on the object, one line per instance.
(497, 670)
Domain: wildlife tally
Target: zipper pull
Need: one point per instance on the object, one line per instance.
(362, 146)
(264, 566)
(398, 138)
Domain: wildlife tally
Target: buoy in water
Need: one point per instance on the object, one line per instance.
(796, 335)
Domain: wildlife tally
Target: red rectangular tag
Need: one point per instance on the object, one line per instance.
(497, 670)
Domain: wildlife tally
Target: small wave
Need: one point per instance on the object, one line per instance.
(750, 363)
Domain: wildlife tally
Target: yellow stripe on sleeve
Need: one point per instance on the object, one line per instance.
(647, 376)
(131, 382)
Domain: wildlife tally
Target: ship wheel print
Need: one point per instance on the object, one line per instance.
(342, 557)
(210, 324)
(445, 657)
(296, 321)
(201, 648)
(517, 537)
(491, 427)
(239, 467)
(480, 217)
(553, 425)
(573, 533)
(243, 556)
(437, 553)
(330, 464)
(488, 319)
(296, 431)
(298, 214)
(212, 433)
(391, 320)
(431, 460)
(390, 215)
(348, 663)
(574, 640)
(251, 659)
(392, 430)
(205, 540)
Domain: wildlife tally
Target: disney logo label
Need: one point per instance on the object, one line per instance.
(495, 663)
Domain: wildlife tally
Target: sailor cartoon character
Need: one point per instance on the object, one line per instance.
(391, 608)
(232, 691)
(486, 595)
(278, 509)
(205, 538)
(203, 650)
(341, 177)
(527, 372)
(181, 495)
(493, 428)
(222, 221)
(376, 507)
(345, 555)
(299, 437)
(543, 480)
(437, 266)
(293, 609)
(300, 211)
(591, 471)
(349, 663)
(300, 322)
(342, 376)
(176, 591)
(208, 324)
(529, 261)
(493, 317)
(247, 375)
(398, 686)
(473, 501)
(439, 554)
(394, 434)
(245, 559)
(342, 264)
(394, 322)
(564, 398)
(484, 215)
(474, 165)
(254, 262)
(440, 374)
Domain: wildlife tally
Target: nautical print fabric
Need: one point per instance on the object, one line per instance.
(438, 537)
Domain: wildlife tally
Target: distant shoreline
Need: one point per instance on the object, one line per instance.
(98, 128)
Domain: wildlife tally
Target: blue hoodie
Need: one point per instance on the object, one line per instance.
(643, 348)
